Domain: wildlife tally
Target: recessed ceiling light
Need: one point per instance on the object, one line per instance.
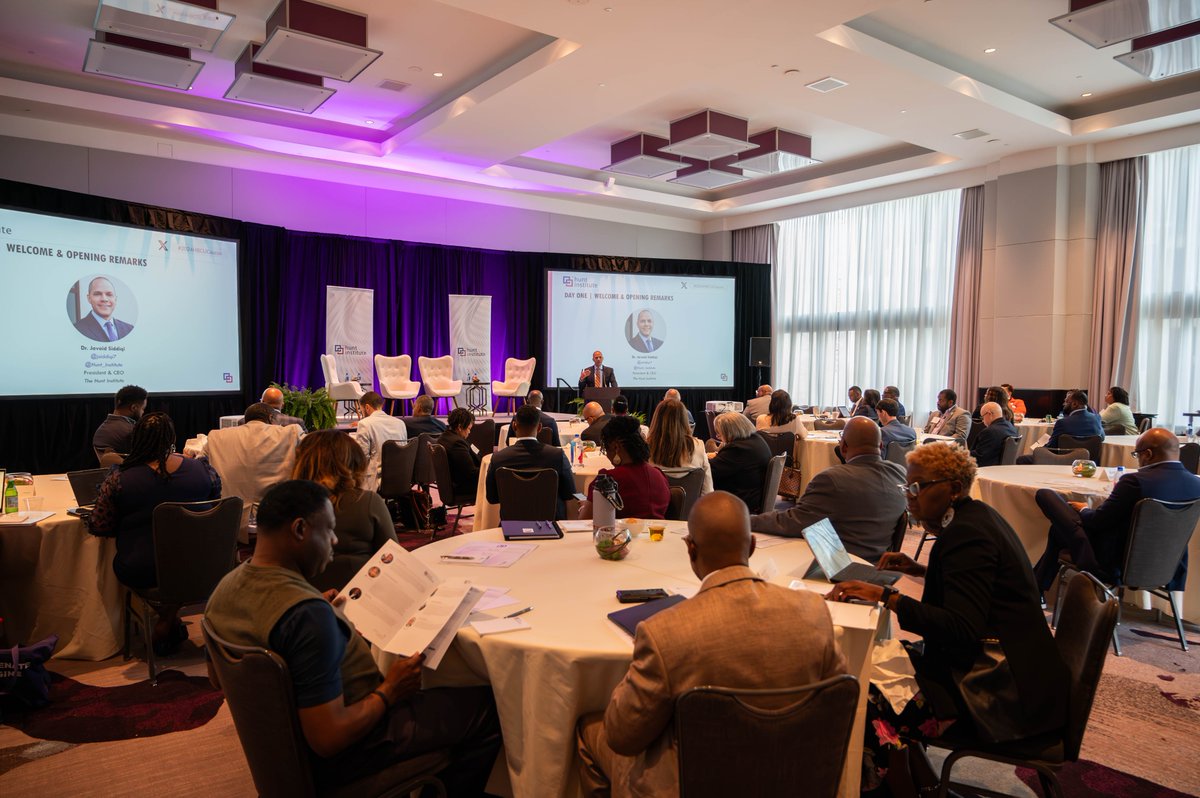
(904, 110)
(1086, 94)
(609, 9)
(370, 121)
(439, 74)
(990, 50)
(601, 85)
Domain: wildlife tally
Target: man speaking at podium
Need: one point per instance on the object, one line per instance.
(598, 375)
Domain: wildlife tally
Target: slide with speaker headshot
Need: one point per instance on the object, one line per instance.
(89, 307)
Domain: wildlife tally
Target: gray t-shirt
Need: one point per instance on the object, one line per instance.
(113, 434)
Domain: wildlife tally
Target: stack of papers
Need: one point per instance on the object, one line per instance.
(490, 555)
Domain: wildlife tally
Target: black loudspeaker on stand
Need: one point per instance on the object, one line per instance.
(760, 358)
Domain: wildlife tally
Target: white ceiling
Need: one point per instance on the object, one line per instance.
(534, 91)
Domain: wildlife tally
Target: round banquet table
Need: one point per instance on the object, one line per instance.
(819, 452)
(566, 431)
(487, 515)
(1010, 491)
(1031, 429)
(55, 578)
(568, 663)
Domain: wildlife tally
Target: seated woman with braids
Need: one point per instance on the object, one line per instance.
(151, 474)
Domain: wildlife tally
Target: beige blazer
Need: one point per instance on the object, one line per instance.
(738, 631)
(250, 458)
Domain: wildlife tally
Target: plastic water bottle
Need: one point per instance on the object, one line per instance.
(574, 446)
(1120, 473)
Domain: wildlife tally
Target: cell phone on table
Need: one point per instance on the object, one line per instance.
(641, 595)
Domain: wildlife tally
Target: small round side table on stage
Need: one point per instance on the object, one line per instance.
(477, 401)
(1191, 417)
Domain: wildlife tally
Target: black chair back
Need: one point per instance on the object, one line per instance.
(771, 481)
(1046, 456)
(527, 495)
(195, 544)
(398, 464)
(423, 469)
(450, 494)
(483, 436)
(1092, 443)
(544, 435)
(898, 450)
(691, 480)
(1189, 455)
(1008, 455)
(899, 532)
(1089, 615)
(743, 742)
(780, 443)
(973, 432)
(1158, 537)
(675, 503)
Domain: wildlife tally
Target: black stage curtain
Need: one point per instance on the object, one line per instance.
(282, 276)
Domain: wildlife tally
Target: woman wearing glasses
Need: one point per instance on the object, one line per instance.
(981, 621)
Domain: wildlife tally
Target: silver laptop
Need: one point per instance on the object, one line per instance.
(833, 562)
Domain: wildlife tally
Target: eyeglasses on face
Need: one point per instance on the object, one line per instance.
(914, 488)
(1136, 452)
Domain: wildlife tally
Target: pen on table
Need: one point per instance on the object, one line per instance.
(467, 557)
(521, 611)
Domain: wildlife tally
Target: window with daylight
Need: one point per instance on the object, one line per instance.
(1166, 372)
(863, 297)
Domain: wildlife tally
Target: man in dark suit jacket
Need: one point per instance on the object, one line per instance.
(1096, 538)
(1078, 421)
(860, 497)
(423, 420)
(645, 341)
(527, 452)
(893, 393)
(588, 377)
(596, 418)
(100, 324)
(989, 444)
(534, 399)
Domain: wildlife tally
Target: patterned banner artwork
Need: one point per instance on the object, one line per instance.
(349, 313)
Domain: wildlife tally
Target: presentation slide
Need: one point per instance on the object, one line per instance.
(89, 307)
(655, 331)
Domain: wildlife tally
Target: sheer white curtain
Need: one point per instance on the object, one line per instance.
(1166, 371)
(863, 297)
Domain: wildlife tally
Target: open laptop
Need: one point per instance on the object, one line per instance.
(833, 562)
(86, 486)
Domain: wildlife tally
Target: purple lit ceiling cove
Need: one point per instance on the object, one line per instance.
(246, 63)
(1166, 36)
(319, 20)
(143, 44)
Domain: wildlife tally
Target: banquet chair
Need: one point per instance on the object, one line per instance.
(1088, 620)
(899, 532)
(1159, 533)
(423, 469)
(906, 420)
(780, 443)
(771, 478)
(395, 380)
(483, 436)
(111, 458)
(518, 378)
(1044, 455)
(1008, 455)
(195, 544)
(1092, 443)
(676, 502)
(345, 392)
(898, 450)
(826, 424)
(743, 742)
(691, 480)
(1189, 455)
(258, 688)
(1144, 424)
(451, 495)
(438, 375)
(527, 494)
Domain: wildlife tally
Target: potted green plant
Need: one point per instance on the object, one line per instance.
(314, 408)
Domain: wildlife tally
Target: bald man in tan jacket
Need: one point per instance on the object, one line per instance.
(738, 631)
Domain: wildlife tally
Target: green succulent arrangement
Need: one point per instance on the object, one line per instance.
(314, 408)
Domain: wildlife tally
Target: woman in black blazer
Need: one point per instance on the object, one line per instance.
(740, 465)
(464, 460)
(979, 586)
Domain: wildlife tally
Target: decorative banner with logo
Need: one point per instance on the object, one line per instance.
(349, 333)
(471, 345)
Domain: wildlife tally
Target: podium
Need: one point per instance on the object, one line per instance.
(604, 396)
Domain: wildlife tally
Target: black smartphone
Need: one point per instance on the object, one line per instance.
(638, 596)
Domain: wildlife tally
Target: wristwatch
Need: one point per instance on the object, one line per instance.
(888, 592)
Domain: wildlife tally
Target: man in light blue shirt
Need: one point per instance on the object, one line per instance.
(374, 429)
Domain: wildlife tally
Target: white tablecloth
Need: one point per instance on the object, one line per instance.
(819, 452)
(567, 665)
(55, 578)
(1118, 450)
(1031, 429)
(566, 431)
(487, 515)
(1010, 491)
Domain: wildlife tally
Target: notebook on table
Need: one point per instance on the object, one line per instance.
(833, 562)
(86, 486)
(629, 618)
(530, 530)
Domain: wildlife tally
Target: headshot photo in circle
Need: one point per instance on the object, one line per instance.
(644, 329)
(102, 308)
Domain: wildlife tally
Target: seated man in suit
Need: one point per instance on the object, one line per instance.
(100, 324)
(854, 394)
(1096, 538)
(114, 432)
(759, 404)
(526, 452)
(989, 444)
(950, 419)
(860, 497)
(789, 644)
(252, 457)
(463, 457)
(273, 398)
(597, 375)
(422, 420)
(893, 393)
(890, 428)
(644, 340)
(374, 429)
(535, 399)
(1078, 421)
(355, 720)
(596, 419)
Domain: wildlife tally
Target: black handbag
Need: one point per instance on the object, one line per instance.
(989, 692)
(24, 680)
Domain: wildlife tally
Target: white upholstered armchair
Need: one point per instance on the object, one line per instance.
(395, 379)
(346, 393)
(518, 378)
(438, 375)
